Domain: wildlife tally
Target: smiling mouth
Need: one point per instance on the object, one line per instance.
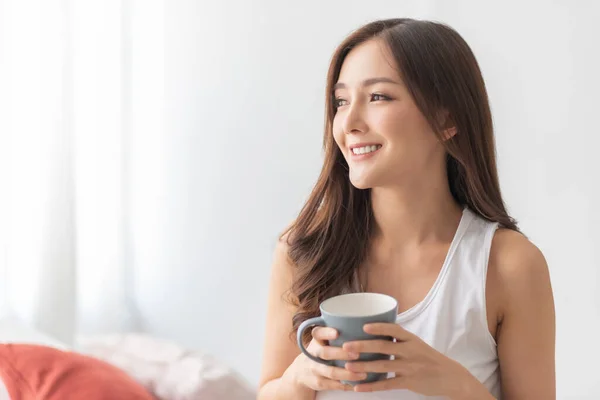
(357, 151)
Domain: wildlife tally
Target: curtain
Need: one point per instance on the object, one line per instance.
(65, 173)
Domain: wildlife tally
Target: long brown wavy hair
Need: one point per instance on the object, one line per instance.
(330, 238)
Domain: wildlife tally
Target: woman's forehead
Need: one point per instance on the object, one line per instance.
(368, 60)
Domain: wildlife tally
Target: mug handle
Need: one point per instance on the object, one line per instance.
(312, 322)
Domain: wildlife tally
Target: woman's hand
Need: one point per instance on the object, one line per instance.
(418, 367)
(316, 376)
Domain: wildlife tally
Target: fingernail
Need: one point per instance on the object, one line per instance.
(353, 355)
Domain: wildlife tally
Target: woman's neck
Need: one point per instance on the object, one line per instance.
(415, 214)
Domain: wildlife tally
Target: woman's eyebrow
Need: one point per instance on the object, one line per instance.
(367, 82)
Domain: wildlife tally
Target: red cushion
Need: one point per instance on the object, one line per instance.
(32, 372)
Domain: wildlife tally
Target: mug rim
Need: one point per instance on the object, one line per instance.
(395, 302)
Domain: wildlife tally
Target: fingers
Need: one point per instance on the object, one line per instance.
(372, 346)
(321, 333)
(335, 353)
(337, 373)
(319, 383)
(374, 366)
(387, 329)
(328, 377)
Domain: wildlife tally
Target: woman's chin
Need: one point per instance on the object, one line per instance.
(361, 183)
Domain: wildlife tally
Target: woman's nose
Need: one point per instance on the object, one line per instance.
(354, 121)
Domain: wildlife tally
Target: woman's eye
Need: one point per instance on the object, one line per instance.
(382, 97)
(337, 102)
(374, 97)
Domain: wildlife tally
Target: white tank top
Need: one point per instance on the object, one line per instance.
(452, 316)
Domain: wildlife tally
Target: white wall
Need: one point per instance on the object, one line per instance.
(234, 155)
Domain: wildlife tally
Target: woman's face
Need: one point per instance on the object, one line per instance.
(383, 136)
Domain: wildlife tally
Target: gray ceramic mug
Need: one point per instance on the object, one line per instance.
(348, 313)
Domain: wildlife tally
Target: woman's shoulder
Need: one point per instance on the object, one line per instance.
(514, 255)
(517, 268)
(282, 247)
(285, 236)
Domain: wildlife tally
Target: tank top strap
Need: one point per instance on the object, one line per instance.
(469, 271)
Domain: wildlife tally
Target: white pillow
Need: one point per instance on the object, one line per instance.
(168, 370)
(3, 392)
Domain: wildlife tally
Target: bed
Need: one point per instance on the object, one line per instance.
(164, 370)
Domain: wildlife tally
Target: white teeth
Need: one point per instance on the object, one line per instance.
(365, 149)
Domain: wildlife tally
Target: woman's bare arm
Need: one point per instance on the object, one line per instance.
(526, 333)
(279, 349)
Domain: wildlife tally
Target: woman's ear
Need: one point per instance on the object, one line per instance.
(449, 133)
(447, 125)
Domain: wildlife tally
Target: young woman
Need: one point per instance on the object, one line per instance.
(408, 204)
